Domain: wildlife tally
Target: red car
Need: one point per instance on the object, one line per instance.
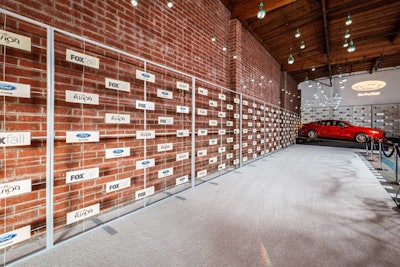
(338, 129)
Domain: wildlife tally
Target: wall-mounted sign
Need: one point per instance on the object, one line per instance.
(236, 100)
(182, 133)
(15, 236)
(14, 40)
(236, 146)
(221, 132)
(221, 149)
(118, 185)
(117, 118)
(229, 123)
(229, 140)
(221, 96)
(245, 103)
(144, 76)
(203, 91)
(229, 107)
(236, 116)
(254, 105)
(212, 142)
(245, 117)
(245, 131)
(250, 124)
(165, 172)
(244, 145)
(229, 156)
(15, 188)
(82, 214)
(250, 151)
(15, 139)
(146, 163)
(201, 112)
(202, 132)
(165, 147)
(212, 160)
(82, 136)
(254, 143)
(81, 175)
(166, 120)
(212, 103)
(15, 89)
(221, 114)
(250, 111)
(236, 162)
(262, 107)
(164, 94)
(221, 166)
(212, 122)
(149, 134)
(117, 85)
(202, 153)
(81, 98)
(201, 173)
(183, 86)
(236, 131)
(245, 159)
(82, 59)
(262, 153)
(145, 105)
(144, 193)
(118, 152)
(182, 109)
(182, 156)
(182, 180)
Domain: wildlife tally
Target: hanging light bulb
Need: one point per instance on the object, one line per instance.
(234, 55)
(351, 48)
(261, 13)
(170, 4)
(302, 46)
(345, 44)
(134, 2)
(290, 59)
(313, 68)
(347, 34)
(224, 47)
(348, 21)
(297, 34)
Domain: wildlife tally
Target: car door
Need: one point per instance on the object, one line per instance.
(341, 130)
(328, 130)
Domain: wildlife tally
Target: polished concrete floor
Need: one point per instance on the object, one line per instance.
(303, 206)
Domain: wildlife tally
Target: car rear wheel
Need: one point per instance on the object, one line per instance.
(312, 134)
(361, 138)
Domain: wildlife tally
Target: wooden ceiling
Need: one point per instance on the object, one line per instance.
(375, 31)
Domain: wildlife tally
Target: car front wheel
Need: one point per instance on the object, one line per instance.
(361, 138)
(312, 134)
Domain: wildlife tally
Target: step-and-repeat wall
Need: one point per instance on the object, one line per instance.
(90, 133)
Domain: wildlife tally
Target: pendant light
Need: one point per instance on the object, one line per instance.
(351, 47)
(297, 34)
(261, 13)
(290, 60)
(346, 44)
(302, 46)
(170, 4)
(348, 21)
(347, 34)
(134, 2)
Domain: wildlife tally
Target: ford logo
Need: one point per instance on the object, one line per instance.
(118, 151)
(146, 162)
(8, 87)
(165, 171)
(5, 238)
(83, 135)
(145, 75)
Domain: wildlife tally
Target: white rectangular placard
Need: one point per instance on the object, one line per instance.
(221, 149)
(236, 162)
(14, 40)
(82, 59)
(212, 122)
(15, 188)
(229, 156)
(212, 142)
(118, 152)
(81, 175)
(143, 164)
(15, 89)
(164, 94)
(236, 100)
(81, 98)
(15, 139)
(203, 91)
(82, 136)
(117, 185)
(182, 133)
(144, 193)
(202, 132)
(245, 103)
(221, 132)
(182, 86)
(82, 214)
(182, 180)
(202, 112)
(182, 156)
(236, 146)
(117, 118)
(182, 109)
(229, 107)
(229, 123)
(212, 103)
(202, 153)
(221, 96)
(144, 76)
(165, 147)
(117, 85)
(221, 114)
(149, 134)
(165, 172)
(166, 120)
(145, 105)
(221, 166)
(212, 160)
(201, 173)
(229, 140)
(15, 236)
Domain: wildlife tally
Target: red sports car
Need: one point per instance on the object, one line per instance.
(338, 129)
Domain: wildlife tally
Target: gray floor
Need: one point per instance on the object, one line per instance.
(304, 206)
